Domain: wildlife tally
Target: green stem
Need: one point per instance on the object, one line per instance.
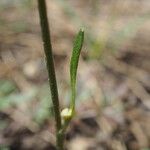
(60, 140)
(51, 70)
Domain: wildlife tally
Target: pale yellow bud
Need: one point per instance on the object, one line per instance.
(66, 113)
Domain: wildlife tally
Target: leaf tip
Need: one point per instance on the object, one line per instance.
(82, 29)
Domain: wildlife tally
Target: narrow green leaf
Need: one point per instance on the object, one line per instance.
(74, 65)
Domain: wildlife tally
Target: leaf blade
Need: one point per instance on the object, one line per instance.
(74, 64)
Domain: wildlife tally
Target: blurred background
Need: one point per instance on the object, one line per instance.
(113, 90)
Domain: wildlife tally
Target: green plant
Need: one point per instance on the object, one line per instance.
(62, 118)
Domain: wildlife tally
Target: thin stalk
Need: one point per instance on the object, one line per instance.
(51, 70)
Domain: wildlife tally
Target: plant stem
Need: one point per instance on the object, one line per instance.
(51, 70)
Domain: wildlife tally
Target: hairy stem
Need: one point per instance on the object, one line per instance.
(51, 70)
